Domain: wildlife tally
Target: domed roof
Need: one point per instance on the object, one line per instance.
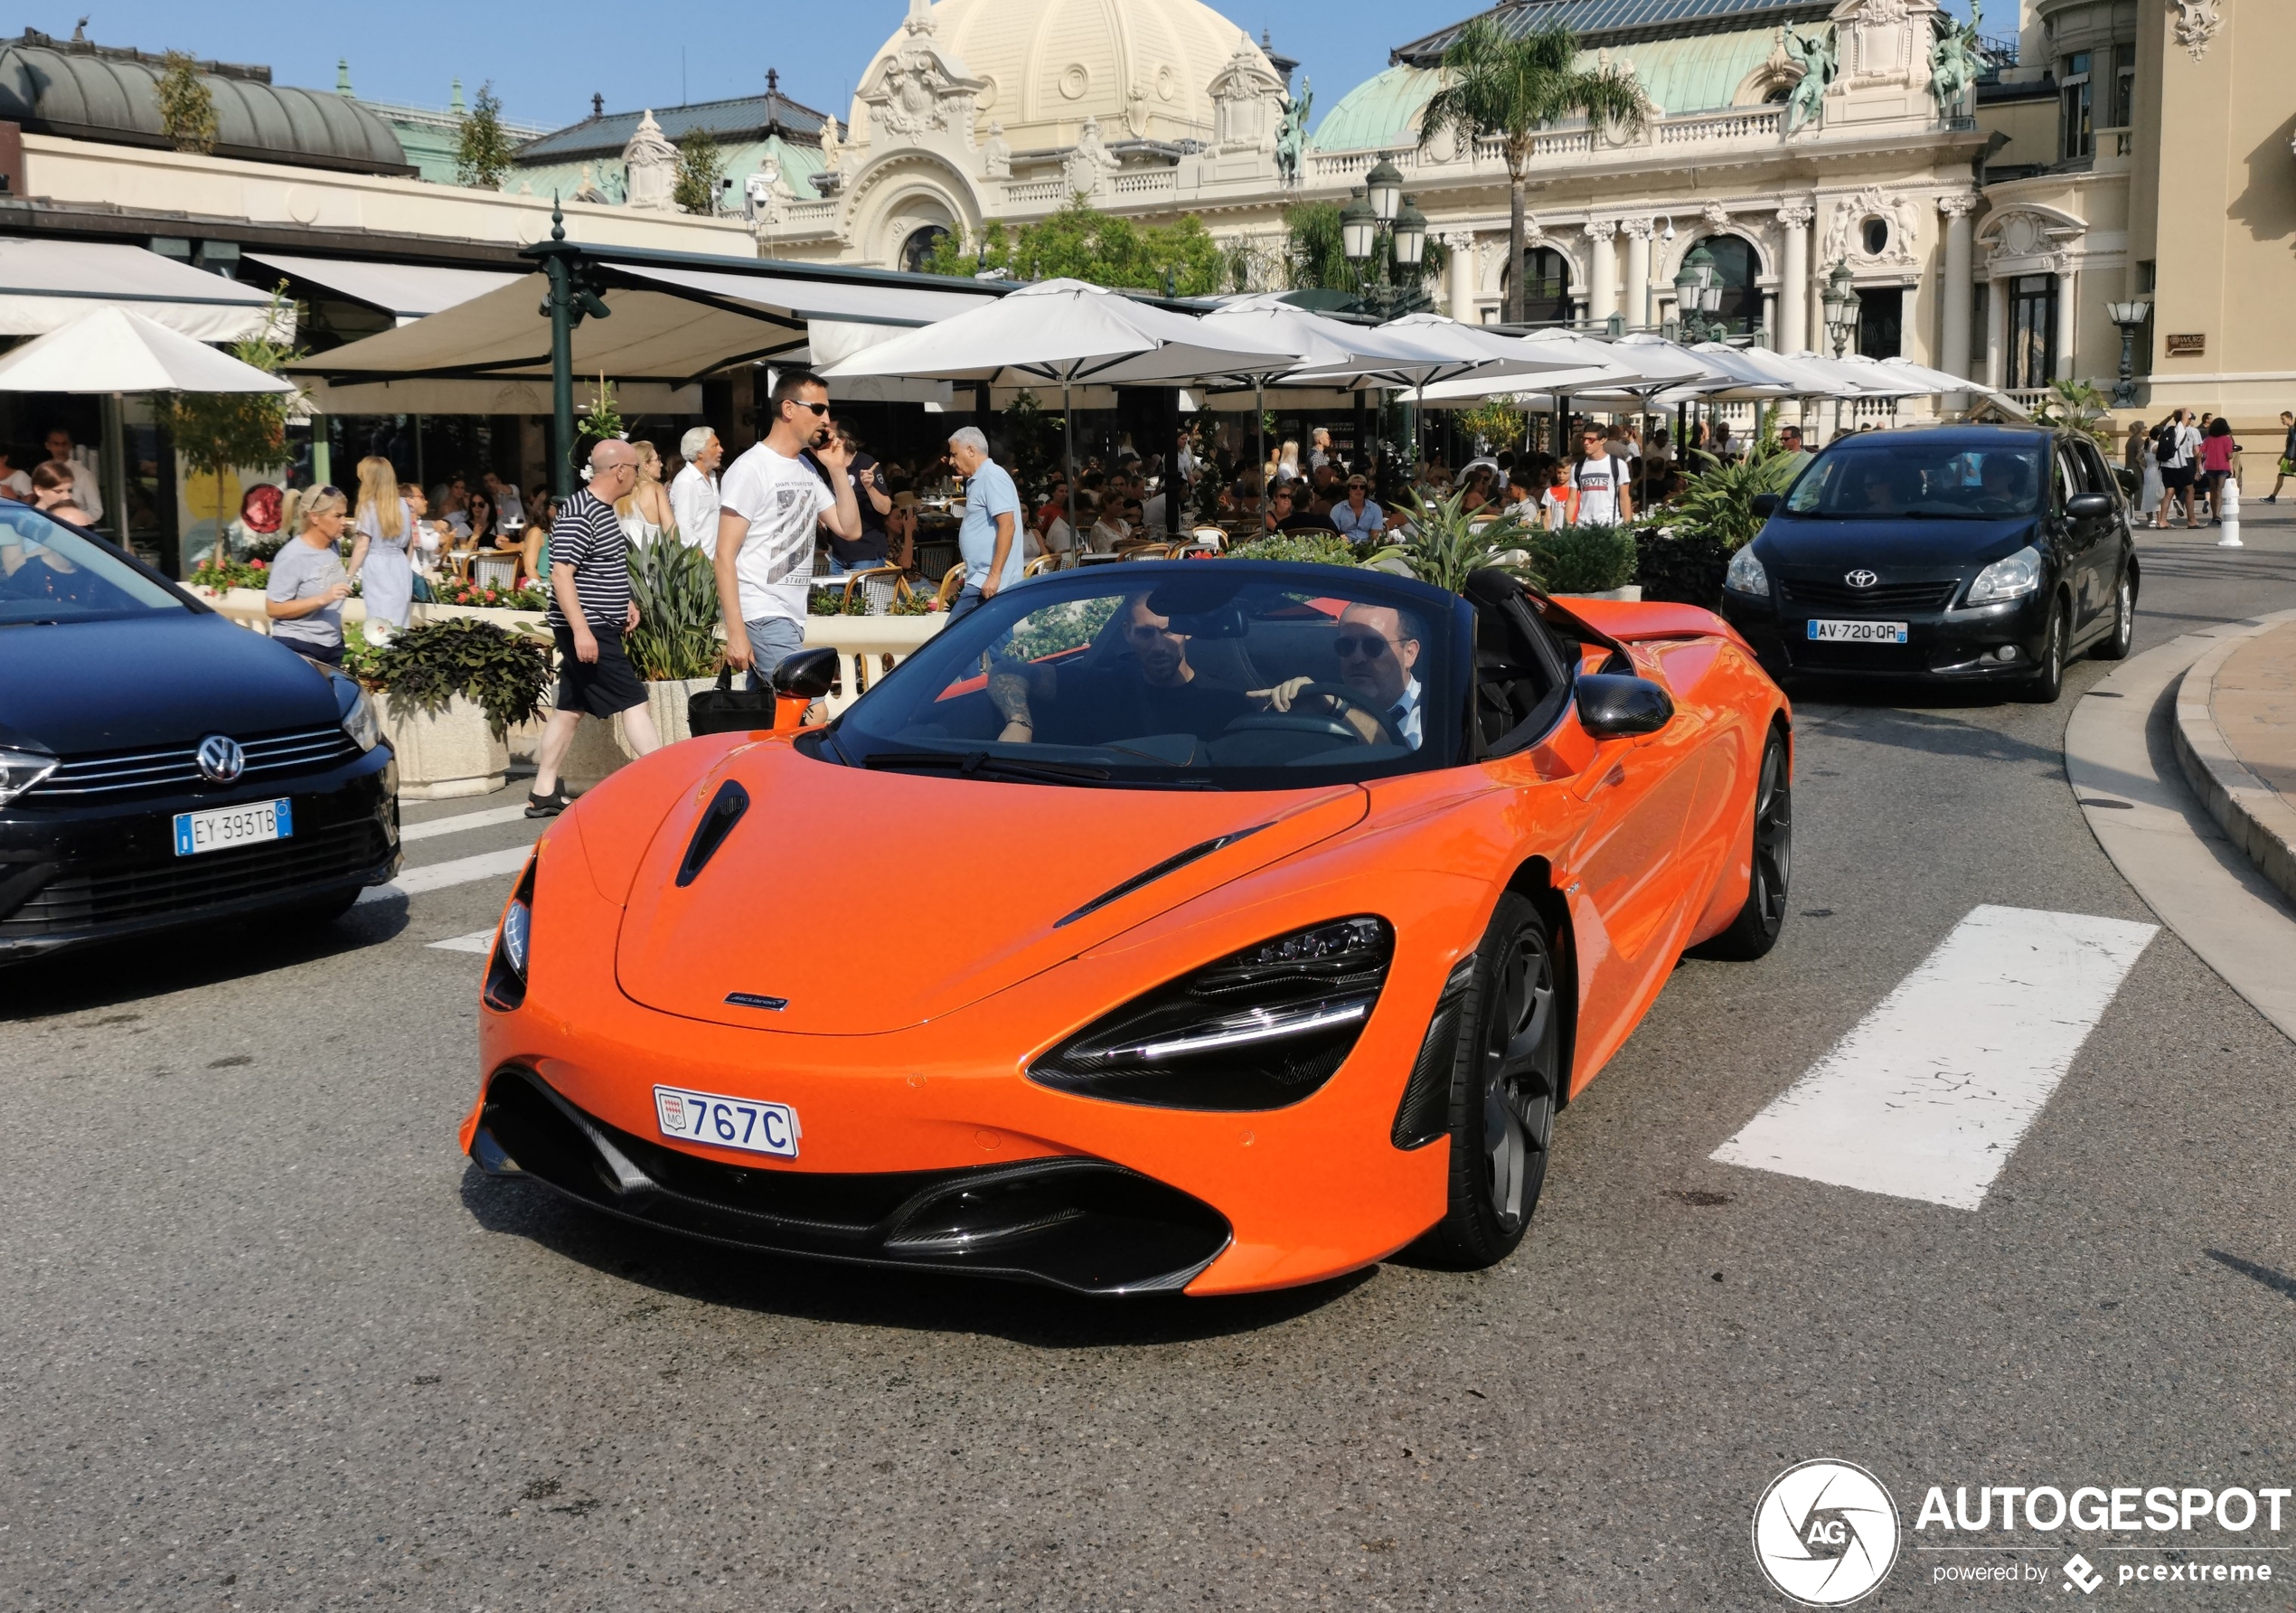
(73, 88)
(1144, 68)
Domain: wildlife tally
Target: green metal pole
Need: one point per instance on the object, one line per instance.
(561, 274)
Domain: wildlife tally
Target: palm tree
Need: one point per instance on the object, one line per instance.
(1496, 83)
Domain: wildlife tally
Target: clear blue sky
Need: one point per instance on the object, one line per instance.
(545, 60)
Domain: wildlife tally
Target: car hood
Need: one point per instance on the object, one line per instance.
(165, 678)
(1892, 545)
(870, 901)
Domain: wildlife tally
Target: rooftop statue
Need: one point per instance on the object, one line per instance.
(1819, 63)
(1291, 135)
(1953, 62)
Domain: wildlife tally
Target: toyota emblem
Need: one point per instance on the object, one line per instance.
(1862, 579)
(220, 759)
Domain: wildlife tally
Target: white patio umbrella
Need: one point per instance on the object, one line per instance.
(1937, 380)
(112, 352)
(1553, 362)
(1067, 332)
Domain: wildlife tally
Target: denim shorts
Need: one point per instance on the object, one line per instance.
(771, 641)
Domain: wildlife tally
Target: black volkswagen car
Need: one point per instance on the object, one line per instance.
(161, 766)
(1967, 555)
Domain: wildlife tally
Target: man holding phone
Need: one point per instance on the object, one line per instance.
(770, 505)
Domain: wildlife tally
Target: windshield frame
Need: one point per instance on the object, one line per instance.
(99, 554)
(1916, 454)
(1443, 670)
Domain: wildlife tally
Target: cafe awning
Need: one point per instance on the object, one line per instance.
(405, 291)
(46, 284)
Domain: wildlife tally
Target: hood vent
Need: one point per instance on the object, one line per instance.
(726, 808)
(1150, 876)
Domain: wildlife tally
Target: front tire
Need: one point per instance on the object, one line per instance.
(1505, 1086)
(1755, 929)
(2116, 644)
(2045, 686)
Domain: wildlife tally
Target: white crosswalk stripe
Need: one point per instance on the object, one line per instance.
(477, 941)
(439, 876)
(1928, 1095)
(431, 828)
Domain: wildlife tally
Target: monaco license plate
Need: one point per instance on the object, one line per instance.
(222, 827)
(748, 1124)
(1827, 632)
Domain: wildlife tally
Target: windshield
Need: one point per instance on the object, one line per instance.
(50, 573)
(1207, 675)
(1872, 478)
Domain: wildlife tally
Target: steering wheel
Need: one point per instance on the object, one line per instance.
(1297, 722)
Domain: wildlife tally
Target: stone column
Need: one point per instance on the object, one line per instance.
(1959, 289)
(1770, 317)
(1602, 249)
(1997, 298)
(1792, 329)
(2067, 315)
(1638, 270)
(1461, 294)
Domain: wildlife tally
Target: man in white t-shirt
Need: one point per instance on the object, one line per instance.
(1600, 480)
(770, 505)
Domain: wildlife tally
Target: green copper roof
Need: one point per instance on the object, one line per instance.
(1700, 73)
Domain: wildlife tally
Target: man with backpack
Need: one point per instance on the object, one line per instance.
(2178, 443)
(1598, 478)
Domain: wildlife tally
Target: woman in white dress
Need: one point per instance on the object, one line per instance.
(645, 515)
(379, 558)
(2145, 457)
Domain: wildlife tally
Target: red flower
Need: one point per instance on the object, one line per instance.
(256, 564)
(490, 596)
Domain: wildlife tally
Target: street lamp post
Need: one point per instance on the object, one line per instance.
(1697, 297)
(1841, 302)
(2129, 316)
(1381, 208)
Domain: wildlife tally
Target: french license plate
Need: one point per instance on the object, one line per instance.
(222, 827)
(743, 1123)
(1858, 632)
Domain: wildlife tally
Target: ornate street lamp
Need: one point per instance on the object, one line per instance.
(1410, 235)
(1405, 245)
(1386, 184)
(1698, 295)
(1843, 302)
(2129, 316)
(1358, 229)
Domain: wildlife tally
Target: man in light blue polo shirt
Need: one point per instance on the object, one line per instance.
(990, 539)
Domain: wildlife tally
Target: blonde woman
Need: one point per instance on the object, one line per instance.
(385, 527)
(645, 515)
(1287, 461)
(307, 584)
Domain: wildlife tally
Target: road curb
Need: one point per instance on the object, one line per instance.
(2252, 813)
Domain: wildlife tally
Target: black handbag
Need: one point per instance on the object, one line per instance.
(728, 709)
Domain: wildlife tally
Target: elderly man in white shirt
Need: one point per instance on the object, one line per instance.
(693, 491)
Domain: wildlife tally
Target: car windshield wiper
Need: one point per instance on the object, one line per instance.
(973, 764)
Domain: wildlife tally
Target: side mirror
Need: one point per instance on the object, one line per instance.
(808, 675)
(1765, 504)
(2088, 506)
(1612, 705)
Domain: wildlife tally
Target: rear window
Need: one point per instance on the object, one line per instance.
(50, 573)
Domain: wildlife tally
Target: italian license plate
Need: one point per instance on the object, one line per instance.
(1858, 632)
(744, 1123)
(222, 827)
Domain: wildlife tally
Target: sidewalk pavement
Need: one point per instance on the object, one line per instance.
(2236, 740)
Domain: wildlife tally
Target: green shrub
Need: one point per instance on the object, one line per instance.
(1307, 548)
(425, 667)
(1718, 501)
(1442, 544)
(1679, 565)
(1584, 560)
(675, 588)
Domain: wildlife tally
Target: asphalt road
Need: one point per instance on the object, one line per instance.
(271, 1342)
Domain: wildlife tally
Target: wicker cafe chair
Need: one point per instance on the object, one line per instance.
(1144, 551)
(1040, 565)
(952, 585)
(879, 586)
(489, 569)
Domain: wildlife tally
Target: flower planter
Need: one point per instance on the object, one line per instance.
(443, 754)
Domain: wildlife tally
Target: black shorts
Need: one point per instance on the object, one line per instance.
(603, 687)
(2176, 475)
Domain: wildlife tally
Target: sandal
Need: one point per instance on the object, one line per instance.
(548, 806)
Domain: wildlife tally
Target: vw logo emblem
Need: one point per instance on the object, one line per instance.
(220, 759)
(1862, 579)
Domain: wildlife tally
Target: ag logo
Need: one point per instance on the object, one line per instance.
(1825, 1532)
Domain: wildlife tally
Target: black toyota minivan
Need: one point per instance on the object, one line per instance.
(161, 766)
(1965, 554)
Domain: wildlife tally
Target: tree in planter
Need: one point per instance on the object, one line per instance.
(1081, 242)
(1499, 422)
(482, 150)
(1684, 553)
(2076, 406)
(675, 588)
(219, 432)
(186, 105)
(701, 174)
(1496, 85)
(504, 675)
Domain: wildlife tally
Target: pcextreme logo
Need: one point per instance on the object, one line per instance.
(1825, 1532)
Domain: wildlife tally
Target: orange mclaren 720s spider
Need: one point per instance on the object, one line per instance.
(1197, 925)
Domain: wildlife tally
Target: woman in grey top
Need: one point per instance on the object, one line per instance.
(308, 584)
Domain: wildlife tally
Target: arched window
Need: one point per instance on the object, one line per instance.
(1735, 264)
(1546, 286)
(919, 246)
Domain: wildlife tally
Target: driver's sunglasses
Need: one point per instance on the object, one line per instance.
(1369, 646)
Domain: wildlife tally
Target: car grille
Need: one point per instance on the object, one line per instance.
(1883, 597)
(182, 885)
(122, 775)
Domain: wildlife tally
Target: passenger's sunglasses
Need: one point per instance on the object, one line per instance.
(1369, 646)
(819, 409)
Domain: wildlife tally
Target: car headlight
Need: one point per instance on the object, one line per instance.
(513, 938)
(20, 770)
(2010, 578)
(1746, 575)
(360, 722)
(1257, 1030)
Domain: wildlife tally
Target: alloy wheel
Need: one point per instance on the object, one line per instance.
(1519, 1059)
(1773, 838)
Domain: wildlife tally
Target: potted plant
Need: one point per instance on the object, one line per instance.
(1684, 555)
(1442, 544)
(451, 691)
